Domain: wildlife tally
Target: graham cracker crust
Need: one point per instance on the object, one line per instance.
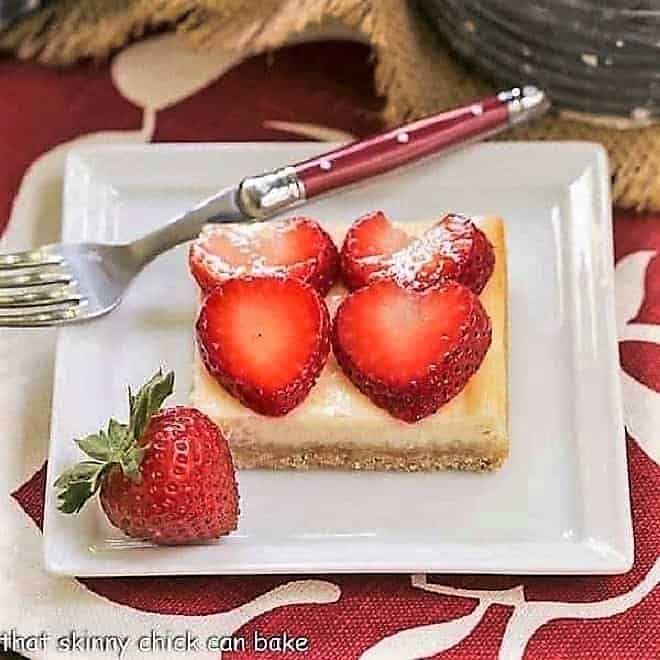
(359, 459)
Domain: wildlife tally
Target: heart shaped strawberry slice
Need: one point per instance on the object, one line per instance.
(411, 351)
(297, 247)
(454, 248)
(265, 340)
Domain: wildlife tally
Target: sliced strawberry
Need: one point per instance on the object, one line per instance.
(409, 351)
(453, 249)
(368, 243)
(265, 340)
(460, 251)
(297, 247)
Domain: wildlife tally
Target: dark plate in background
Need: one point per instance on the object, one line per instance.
(596, 57)
(10, 10)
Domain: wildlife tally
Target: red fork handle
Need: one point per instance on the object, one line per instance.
(262, 196)
(386, 151)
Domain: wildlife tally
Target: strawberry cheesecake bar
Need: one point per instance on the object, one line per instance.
(389, 353)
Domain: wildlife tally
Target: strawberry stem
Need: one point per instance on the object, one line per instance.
(119, 445)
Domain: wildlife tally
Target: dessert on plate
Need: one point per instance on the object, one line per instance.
(389, 354)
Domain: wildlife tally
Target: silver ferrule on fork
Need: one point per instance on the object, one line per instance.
(524, 103)
(262, 196)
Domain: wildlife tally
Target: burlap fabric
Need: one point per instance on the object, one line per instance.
(414, 72)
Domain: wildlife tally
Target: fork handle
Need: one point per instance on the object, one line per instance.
(400, 146)
(260, 197)
(264, 195)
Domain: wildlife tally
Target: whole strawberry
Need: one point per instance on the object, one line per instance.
(166, 476)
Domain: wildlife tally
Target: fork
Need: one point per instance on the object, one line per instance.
(65, 283)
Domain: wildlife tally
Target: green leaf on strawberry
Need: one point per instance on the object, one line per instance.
(119, 445)
(78, 484)
(148, 401)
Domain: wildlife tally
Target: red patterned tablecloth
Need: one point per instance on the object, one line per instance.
(379, 616)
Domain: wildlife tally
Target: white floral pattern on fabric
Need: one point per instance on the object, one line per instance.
(526, 619)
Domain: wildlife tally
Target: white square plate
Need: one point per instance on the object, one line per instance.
(559, 505)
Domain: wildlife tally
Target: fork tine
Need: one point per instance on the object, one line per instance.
(40, 319)
(35, 278)
(31, 259)
(57, 296)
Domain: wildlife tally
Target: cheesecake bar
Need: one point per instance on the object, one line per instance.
(337, 426)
